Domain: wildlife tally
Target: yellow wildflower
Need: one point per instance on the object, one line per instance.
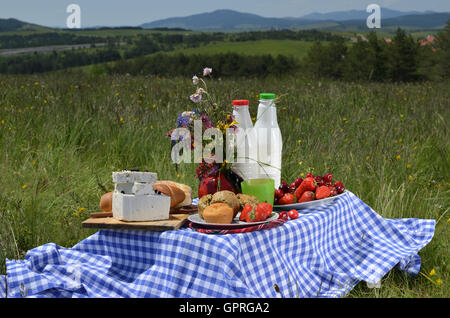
(121, 119)
(300, 163)
(408, 166)
(439, 281)
(81, 209)
(24, 186)
(432, 272)
(410, 177)
(398, 157)
(297, 120)
(344, 119)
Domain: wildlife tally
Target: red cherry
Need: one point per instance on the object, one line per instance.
(328, 178)
(283, 215)
(293, 214)
(319, 180)
(298, 182)
(340, 188)
(284, 187)
(338, 183)
(278, 193)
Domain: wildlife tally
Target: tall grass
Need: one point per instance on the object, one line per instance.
(62, 134)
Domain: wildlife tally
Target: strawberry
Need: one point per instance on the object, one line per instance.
(288, 198)
(309, 184)
(306, 197)
(266, 208)
(245, 211)
(257, 214)
(322, 192)
(333, 191)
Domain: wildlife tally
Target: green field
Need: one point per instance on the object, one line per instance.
(62, 135)
(273, 47)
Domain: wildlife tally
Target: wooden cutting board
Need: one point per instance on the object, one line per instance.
(173, 223)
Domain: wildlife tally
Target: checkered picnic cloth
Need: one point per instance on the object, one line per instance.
(323, 253)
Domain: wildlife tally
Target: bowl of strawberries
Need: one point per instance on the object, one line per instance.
(313, 190)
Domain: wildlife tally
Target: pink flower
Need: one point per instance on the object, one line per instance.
(207, 71)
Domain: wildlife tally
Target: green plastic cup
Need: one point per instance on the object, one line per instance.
(263, 189)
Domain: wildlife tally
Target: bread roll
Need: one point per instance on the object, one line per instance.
(229, 198)
(203, 203)
(218, 213)
(106, 202)
(175, 193)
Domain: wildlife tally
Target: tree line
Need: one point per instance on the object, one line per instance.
(369, 59)
(401, 58)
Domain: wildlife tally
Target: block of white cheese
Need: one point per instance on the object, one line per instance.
(142, 188)
(127, 176)
(130, 207)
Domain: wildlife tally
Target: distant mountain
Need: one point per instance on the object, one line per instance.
(358, 15)
(225, 20)
(17, 25)
(229, 20)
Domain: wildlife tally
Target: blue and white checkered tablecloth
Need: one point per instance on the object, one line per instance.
(323, 253)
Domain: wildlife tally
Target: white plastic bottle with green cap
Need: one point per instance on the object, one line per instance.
(270, 143)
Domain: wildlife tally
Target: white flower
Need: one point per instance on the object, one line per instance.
(196, 98)
(200, 91)
(195, 80)
(207, 71)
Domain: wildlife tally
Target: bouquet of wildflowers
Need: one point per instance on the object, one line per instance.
(211, 115)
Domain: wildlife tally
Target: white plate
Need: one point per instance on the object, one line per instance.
(195, 218)
(307, 205)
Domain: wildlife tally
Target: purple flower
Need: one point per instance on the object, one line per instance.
(207, 71)
(206, 122)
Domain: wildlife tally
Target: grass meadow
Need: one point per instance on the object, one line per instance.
(62, 134)
(298, 49)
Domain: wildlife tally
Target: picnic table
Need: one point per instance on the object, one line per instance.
(323, 253)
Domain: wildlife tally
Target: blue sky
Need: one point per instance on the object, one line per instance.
(136, 12)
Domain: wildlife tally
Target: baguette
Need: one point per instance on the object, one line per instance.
(175, 193)
(185, 188)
